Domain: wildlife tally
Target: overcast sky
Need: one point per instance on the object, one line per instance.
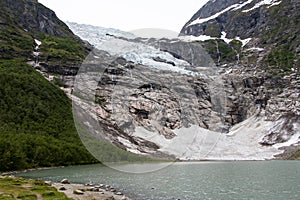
(127, 15)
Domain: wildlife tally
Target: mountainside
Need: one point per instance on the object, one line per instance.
(36, 123)
(272, 25)
(257, 44)
(228, 88)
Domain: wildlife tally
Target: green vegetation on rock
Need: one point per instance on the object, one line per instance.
(61, 51)
(218, 49)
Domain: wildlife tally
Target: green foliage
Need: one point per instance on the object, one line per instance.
(236, 45)
(283, 56)
(59, 83)
(284, 38)
(14, 42)
(282, 59)
(30, 104)
(5, 196)
(21, 151)
(36, 123)
(57, 50)
(226, 52)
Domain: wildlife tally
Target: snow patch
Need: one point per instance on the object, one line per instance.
(223, 37)
(255, 49)
(244, 41)
(264, 2)
(274, 4)
(227, 40)
(202, 38)
(196, 143)
(232, 7)
(294, 139)
(37, 42)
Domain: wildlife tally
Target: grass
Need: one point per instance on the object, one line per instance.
(19, 188)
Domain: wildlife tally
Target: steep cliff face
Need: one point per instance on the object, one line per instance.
(36, 18)
(256, 44)
(247, 18)
(155, 97)
(263, 37)
(253, 109)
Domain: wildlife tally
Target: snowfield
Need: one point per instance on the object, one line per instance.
(195, 143)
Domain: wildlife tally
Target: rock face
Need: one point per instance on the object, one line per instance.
(35, 17)
(265, 73)
(247, 18)
(249, 50)
(24, 22)
(163, 106)
(263, 63)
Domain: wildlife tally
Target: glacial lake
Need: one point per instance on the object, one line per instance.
(191, 180)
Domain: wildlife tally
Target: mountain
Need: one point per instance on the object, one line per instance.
(272, 25)
(36, 122)
(226, 89)
(256, 42)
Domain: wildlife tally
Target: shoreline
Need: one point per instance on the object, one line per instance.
(89, 191)
(74, 191)
(13, 173)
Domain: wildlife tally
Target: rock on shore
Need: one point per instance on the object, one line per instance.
(88, 192)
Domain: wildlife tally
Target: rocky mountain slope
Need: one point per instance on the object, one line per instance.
(257, 43)
(228, 88)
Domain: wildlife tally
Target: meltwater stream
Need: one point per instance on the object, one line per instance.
(191, 180)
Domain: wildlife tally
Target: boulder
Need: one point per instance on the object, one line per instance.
(78, 192)
(65, 181)
(62, 188)
(48, 183)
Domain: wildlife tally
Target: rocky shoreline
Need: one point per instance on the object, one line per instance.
(88, 191)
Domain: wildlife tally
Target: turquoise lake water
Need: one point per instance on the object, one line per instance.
(192, 180)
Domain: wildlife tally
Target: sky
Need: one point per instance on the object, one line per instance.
(127, 15)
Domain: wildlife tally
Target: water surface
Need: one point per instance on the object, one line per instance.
(194, 180)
